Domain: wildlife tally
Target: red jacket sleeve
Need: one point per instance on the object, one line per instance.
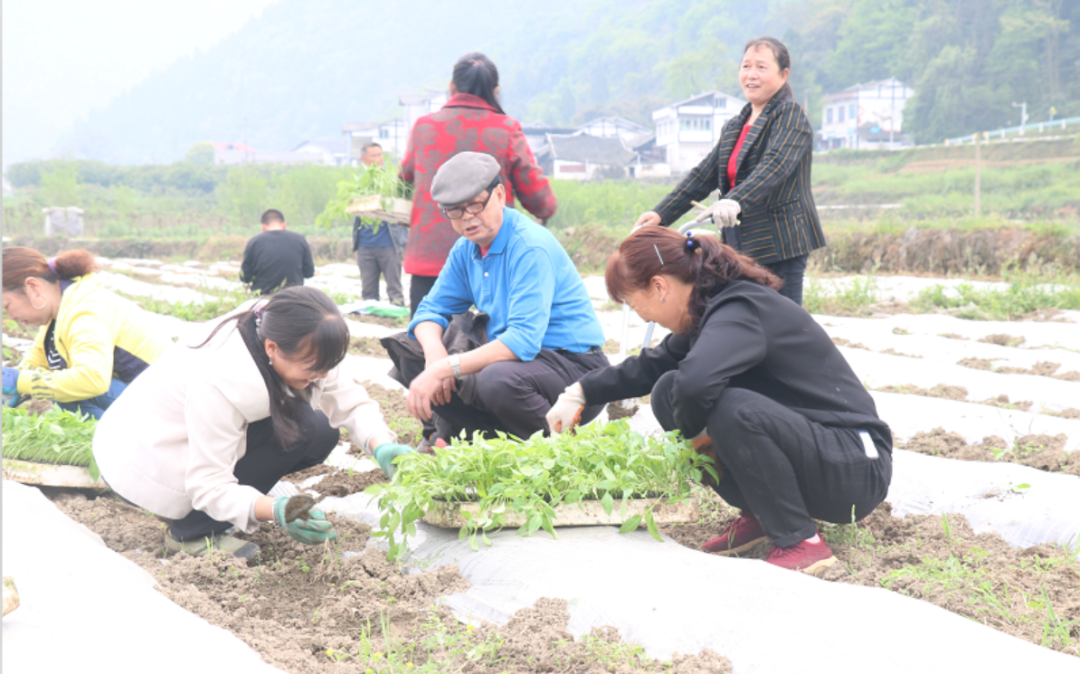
(531, 186)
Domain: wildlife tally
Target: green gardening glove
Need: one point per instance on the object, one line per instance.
(386, 453)
(311, 528)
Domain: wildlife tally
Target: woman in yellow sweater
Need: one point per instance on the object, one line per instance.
(92, 342)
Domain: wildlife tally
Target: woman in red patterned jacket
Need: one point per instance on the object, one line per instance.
(471, 121)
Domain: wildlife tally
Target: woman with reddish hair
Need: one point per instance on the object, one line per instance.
(794, 432)
(92, 342)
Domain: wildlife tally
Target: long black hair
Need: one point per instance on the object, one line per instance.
(475, 74)
(306, 325)
(780, 53)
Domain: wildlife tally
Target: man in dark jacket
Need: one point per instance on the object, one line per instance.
(277, 258)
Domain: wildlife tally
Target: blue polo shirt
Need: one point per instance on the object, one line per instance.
(526, 283)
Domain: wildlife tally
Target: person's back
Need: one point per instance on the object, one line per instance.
(277, 258)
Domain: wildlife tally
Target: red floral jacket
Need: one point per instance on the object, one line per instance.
(465, 124)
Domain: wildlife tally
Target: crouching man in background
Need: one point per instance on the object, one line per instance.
(540, 332)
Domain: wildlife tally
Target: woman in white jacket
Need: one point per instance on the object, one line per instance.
(207, 430)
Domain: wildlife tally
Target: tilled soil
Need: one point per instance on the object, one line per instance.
(1044, 452)
(1043, 368)
(343, 607)
(367, 346)
(950, 392)
(395, 410)
(1033, 594)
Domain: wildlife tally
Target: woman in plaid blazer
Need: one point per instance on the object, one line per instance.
(762, 168)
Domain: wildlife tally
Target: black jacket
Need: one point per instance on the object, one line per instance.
(772, 184)
(751, 338)
(276, 259)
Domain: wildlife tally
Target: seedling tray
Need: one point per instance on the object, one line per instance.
(585, 513)
(50, 474)
(377, 207)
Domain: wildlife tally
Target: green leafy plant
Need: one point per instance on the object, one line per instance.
(608, 463)
(368, 181)
(58, 436)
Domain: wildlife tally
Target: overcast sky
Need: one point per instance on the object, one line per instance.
(63, 58)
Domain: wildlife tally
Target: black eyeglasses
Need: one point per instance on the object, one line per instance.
(459, 212)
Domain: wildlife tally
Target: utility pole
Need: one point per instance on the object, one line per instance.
(892, 111)
(245, 141)
(1023, 115)
(978, 174)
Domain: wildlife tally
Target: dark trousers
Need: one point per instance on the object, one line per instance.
(96, 406)
(382, 260)
(784, 468)
(419, 286)
(791, 273)
(512, 396)
(264, 464)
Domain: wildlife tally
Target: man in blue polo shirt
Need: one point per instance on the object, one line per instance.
(543, 334)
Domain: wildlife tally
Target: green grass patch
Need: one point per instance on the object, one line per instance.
(821, 296)
(1036, 288)
(57, 437)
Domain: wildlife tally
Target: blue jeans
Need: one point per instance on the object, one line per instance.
(97, 405)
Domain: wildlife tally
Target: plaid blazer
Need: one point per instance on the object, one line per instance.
(779, 220)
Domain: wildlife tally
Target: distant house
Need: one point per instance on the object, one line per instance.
(392, 135)
(418, 105)
(242, 153)
(583, 157)
(610, 127)
(331, 151)
(536, 134)
(866, 116)
(687, 131)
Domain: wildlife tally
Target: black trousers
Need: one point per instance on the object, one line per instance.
(791, 272)
(512, 396)
(264, 464)
(784, 468)
(419, 287)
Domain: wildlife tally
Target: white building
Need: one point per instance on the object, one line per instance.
(392, 135)
(688, 130)
(610, 127)
(418, 105)
(330, 151)
(865, 116)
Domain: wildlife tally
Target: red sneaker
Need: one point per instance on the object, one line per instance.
(811, 558)
(740, 535)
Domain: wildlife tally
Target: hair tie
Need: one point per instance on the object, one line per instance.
(258, 316)
(52, 265)
(692, 244)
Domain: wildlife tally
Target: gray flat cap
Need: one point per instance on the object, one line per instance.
(463, 177)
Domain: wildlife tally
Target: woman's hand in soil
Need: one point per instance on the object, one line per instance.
(566, 412)
(311, 531)
(386, 453)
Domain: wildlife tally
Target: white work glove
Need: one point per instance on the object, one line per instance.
(566, 412)
(725, 213)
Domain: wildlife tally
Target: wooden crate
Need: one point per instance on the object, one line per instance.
(376, 207)
(585, 513)
(50, 474)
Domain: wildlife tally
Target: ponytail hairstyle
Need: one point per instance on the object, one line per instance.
(475, 74)
(700, 261)
(783, 60)
(22, 263)
(307, 326)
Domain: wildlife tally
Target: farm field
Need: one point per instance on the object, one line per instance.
(971, 565)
